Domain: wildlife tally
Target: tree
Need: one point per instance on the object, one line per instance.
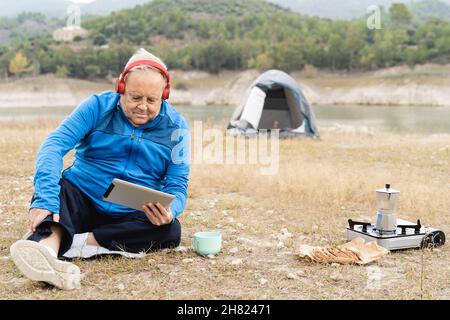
(400, 15)
(99, 40)
(262, 62)
(354, 43)
(19, 65)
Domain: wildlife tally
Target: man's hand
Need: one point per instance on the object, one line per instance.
(157, 214)
(37, 215)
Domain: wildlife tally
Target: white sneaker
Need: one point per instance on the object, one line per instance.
(37, 263)
(27, 235)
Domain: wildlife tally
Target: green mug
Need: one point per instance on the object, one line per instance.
(207, 242)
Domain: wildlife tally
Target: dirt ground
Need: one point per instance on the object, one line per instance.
(319, 185)
(425, 85)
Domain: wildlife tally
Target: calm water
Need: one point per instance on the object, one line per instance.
(395, 118)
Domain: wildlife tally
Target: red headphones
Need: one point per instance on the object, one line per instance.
(120, 83)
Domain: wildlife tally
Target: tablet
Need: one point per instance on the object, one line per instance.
(135, 196)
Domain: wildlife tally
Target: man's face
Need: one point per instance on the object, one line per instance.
(142, 98)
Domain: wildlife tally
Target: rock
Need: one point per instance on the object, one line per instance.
(181, 249)
(211, 256)
(196, 214)
(233, 261)
(300, 273)
(120, 286)
(285, 233)
(282, 235)
(280, 245)
(234, 250)
(236, 262)
(187, 260)
(292, 276)
(335, 265)
(336, 276)
(213, 262)
(263, 281)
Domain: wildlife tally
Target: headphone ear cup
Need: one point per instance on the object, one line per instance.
(166, 93)
(120, 86)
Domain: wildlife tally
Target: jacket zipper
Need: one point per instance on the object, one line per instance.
(126, 165)
(129, 154)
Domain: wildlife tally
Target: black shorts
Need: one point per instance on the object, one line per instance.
(133, 233)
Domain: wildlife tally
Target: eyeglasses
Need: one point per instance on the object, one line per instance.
(136, 98)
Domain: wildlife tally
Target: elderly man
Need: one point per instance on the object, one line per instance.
(133, 134)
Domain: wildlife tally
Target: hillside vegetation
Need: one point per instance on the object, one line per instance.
(231, 35)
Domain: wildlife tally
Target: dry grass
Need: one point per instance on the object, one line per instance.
(319, 186)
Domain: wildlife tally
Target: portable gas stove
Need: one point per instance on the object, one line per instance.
(390, 232)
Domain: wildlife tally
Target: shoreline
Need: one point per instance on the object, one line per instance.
(425, 86)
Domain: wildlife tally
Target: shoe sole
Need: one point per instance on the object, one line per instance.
(36, 263)
(27, 235)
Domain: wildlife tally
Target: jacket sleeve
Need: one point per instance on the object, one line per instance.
(177, 174)
(49, 159)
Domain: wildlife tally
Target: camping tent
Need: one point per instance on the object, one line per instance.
(273, 101)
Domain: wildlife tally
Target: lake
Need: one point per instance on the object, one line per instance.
(390, 118)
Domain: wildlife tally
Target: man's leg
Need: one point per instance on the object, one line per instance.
(136, 233)
(75, 214)
(37, 256)
(91, 241)
(53, 241)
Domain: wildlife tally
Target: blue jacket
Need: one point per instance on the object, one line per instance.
(108, 146)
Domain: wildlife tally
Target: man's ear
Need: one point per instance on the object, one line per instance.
(124, 104)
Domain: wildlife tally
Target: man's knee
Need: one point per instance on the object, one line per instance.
(174, 233)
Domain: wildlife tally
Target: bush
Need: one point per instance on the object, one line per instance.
(92, 71)
(100, 40)
(62, 71)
